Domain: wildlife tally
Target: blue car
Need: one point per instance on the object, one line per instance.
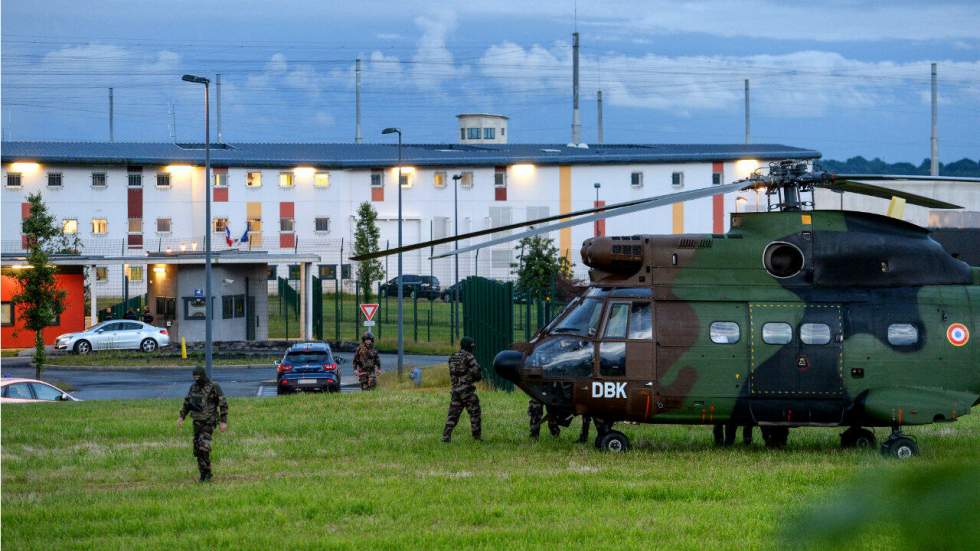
(307, 366)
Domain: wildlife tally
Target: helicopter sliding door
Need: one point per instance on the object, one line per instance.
(796, 359)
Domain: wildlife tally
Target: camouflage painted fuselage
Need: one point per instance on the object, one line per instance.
(864, 332)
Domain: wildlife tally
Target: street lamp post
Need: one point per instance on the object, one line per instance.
(596, 185)
(401, 333)
(456, 179)
(208, 314)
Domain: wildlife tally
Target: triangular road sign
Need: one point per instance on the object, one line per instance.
(369, 310)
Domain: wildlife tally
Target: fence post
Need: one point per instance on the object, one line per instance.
(428, 337)
(357, 306)
(415, 315)
(527, 318)
(380, 325)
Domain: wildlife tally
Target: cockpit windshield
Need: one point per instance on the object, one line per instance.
(583, 320)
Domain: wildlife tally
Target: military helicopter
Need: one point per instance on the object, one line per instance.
(796, 317)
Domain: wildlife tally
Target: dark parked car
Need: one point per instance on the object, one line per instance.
(413, 285)
(448, 293)
(307, 366)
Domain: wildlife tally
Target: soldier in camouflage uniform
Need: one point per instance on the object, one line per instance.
(535, 410)
(367, 363)
(207, 405)
(464, 372)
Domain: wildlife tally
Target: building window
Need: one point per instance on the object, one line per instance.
(100, 226)
(286, 224)
(462, 133)
(220, 224)
(285, 179)
(716, 179)
(294, 272)
(101, 274)
(405, 177)
(467, 179)
(636, 179)
(232, 306)
(500, 176)
(54, 179)
(473, 133)
(253, 179)
(439, 179)
(321, 224)
(6, 314)
(677, 179)
(377, 178)
(135, 225)
(321, 179)
(220, 179)
(273, 273)
(489, 133)
(254, 226)
(69, 226)
(99, 179)
(163, 225)
(135, 179)
(135, 273)
(163, 180)
(13, 180)
(502, 131)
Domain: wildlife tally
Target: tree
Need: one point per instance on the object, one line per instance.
(366, 237)
(40, 302)
(540, 267)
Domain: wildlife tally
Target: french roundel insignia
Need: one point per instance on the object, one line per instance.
(957, 334)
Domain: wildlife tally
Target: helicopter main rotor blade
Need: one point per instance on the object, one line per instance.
(488, 231)
(914, 178)
(659, 201)
(850, 185)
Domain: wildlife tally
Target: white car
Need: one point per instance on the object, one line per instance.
(13, 391)
(115, 335)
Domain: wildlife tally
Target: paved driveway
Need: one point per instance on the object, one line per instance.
(117, 384)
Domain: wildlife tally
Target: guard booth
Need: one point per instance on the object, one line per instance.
(488, 317)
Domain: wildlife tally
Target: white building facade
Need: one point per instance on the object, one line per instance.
(130, 199)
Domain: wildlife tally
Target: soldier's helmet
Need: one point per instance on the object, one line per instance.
(200, 373)
(467, 344)
(367, 336)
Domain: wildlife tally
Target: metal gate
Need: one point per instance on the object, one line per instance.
(488, 317)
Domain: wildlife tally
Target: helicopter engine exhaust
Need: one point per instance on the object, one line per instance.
(621, 255)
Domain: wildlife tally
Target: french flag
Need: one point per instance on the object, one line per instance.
(228, 238)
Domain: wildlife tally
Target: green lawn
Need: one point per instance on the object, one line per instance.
(367, 471)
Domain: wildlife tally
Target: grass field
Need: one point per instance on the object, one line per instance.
(367, 471)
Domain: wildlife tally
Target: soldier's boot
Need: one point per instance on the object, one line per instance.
(554, 430)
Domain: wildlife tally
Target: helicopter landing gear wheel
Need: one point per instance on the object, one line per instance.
(857, 437)
(775, 437)
(613, 442)
(899, 446)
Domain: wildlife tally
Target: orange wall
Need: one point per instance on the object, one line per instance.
(72, 319)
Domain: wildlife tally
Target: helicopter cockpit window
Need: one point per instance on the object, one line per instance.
(902, 334)
(583, 320)
(641, 321)
(563, 357)
(724, 332)
(616, 322)
(612, 359)
(777, 333)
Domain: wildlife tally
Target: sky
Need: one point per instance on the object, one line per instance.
(844, 77)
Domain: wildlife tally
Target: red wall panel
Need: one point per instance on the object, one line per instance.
(377, 194)
(220, 194)
(499, 194)
(72, 319)
(287, 209)
(134, 200)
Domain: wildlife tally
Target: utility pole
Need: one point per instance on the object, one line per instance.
(217, 89)
(934, 141)
(747, 127)
(173, 124)
(357, 100)
(112, 136)
(599, 115)
(576, 123)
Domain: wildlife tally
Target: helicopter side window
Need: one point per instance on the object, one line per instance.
(777, 333)
(641, 321)
(815, 333)
(563, 357)
(616, 323)
(902, 334)
(724, 332)
(583, 320)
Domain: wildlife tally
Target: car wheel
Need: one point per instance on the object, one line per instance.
(83, 347)
(148, 345)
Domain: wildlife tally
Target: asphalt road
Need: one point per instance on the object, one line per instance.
(141, 383)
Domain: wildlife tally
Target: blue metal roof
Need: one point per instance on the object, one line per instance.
(347, 155)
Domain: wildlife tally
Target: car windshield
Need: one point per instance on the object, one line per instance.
(582, 320)
(309, 357)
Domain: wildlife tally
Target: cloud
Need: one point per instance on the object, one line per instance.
(433, 63)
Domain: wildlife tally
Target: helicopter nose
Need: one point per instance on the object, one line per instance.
(507, 364)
